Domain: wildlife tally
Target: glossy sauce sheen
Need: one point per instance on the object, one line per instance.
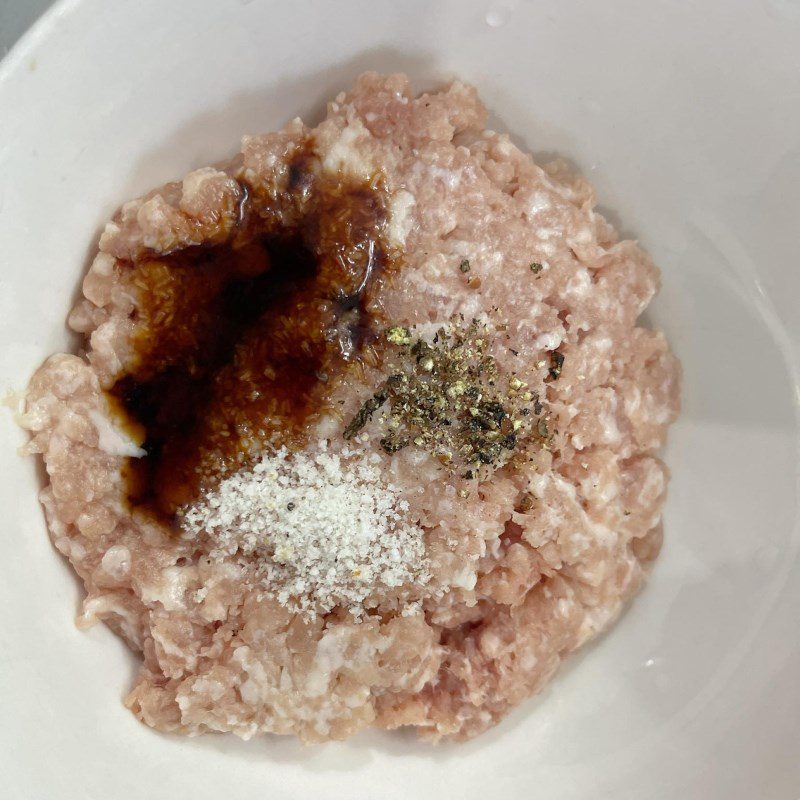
(236, 342)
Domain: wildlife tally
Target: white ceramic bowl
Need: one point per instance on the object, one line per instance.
(686, 117)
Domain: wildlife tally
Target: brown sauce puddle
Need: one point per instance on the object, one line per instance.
(237, 341)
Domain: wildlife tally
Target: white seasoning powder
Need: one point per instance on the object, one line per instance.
(325, 528)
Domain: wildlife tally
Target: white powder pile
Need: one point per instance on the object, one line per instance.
(325, 528)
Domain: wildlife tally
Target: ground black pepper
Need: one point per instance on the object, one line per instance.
(449, 398)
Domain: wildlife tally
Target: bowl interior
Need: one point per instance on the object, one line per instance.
(687, 121)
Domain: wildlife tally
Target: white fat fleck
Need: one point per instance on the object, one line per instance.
(103, 264)
(108, 605)
(433, 268)
(604, 343)
(346, 154)
(117, 561)
(565, 487)
(538, 202)
(538, 482)
(492, 260)
(427, 330)
(653, 485)
(172, 648)
(579, 542)
(471, 306)
(110, 232)
(597, 619)
(327, 427)
(34, 416)
(257, 685)
(633, 400)
(465, 578)
(152, 215)
(583, 236)
(503, 146)
(170, 588)
(579, 284)
(328, 659)
(494, 548)
(601, 533)
(528, 661)
(611, 432)
(662, 416)
(69, 374)
(479, 253)
(547, 341)
(200, 595)
(400, 218)
(209, 686)
(451, 178)
(111, 440)
(564, 606)
(491, 644)
(193, 183)
(77, 551)
(412, 609)
(604, 492)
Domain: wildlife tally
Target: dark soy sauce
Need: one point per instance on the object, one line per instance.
(236, 342)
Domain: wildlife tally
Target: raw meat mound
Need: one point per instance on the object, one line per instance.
(514, 568)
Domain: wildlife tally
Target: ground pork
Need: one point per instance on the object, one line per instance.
(534, 561)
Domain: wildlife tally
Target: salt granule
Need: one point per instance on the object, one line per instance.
(326, 528)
